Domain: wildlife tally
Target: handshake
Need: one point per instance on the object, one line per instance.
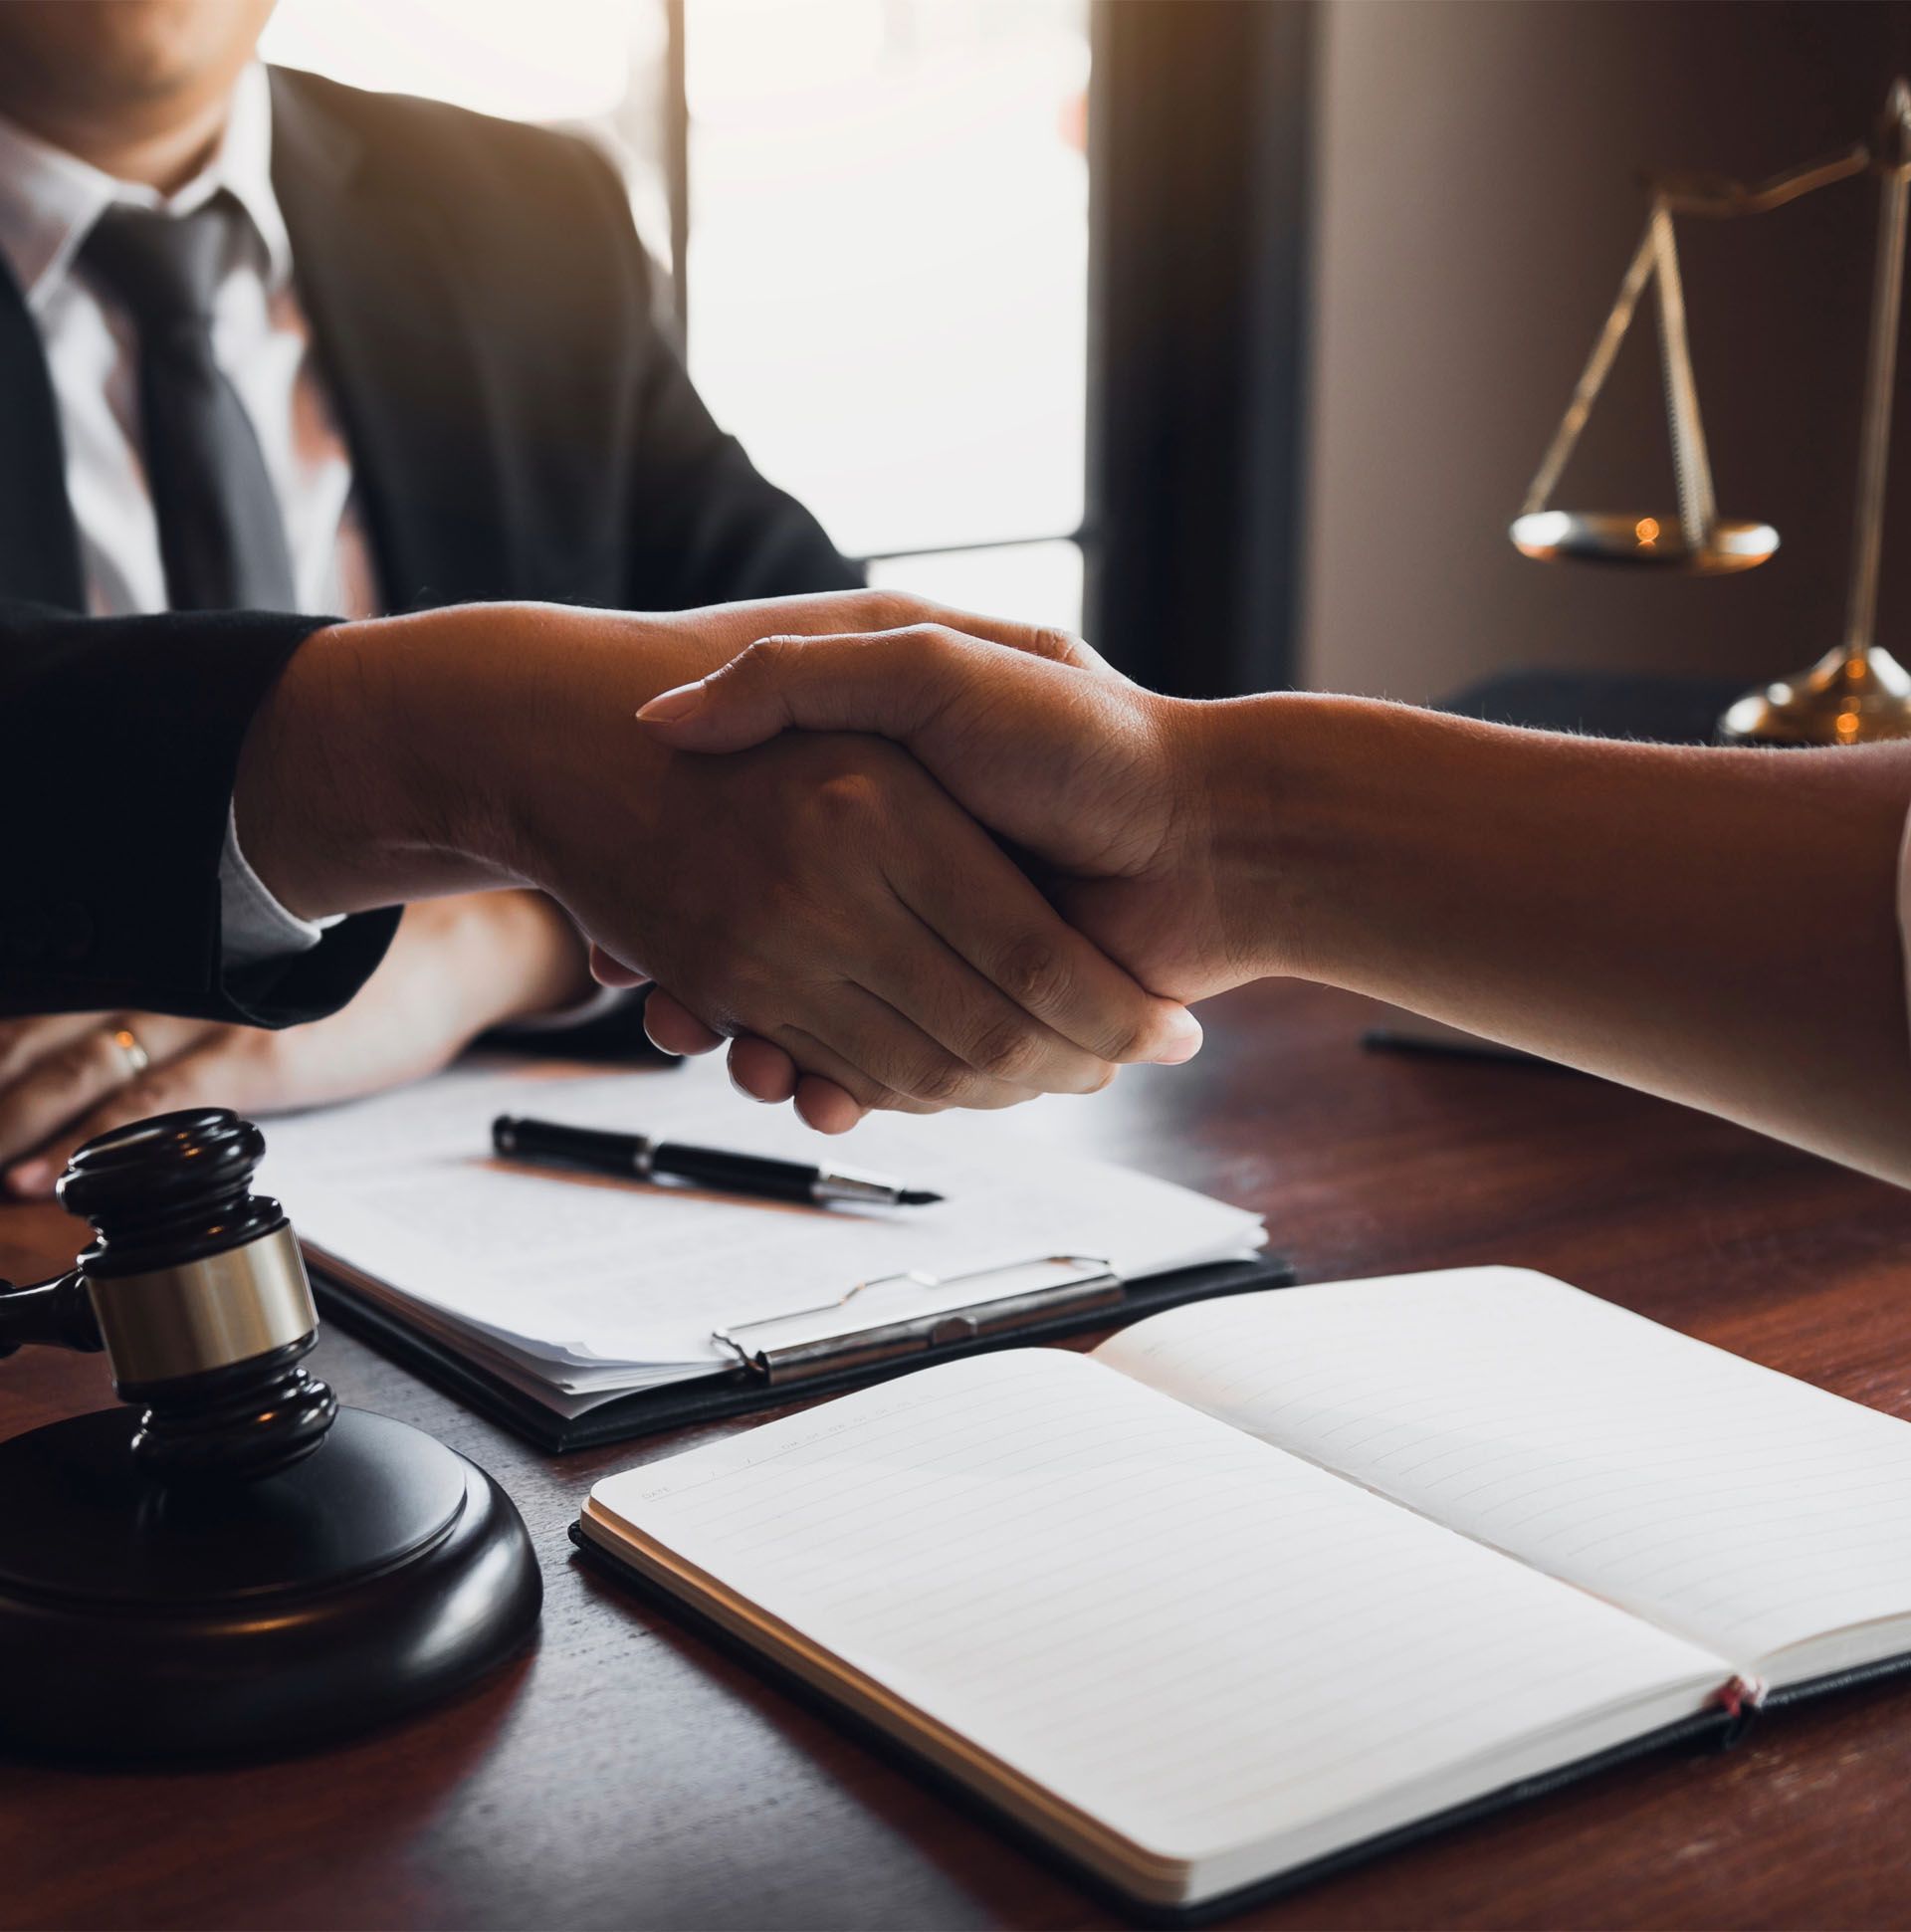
(906, 858)
(1015, 895)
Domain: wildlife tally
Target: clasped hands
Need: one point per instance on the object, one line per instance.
(1016, 892)
(1099, 786)
(842, 908)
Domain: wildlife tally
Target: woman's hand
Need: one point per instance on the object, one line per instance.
(457, 967)
(825, 894)
(1092, 776)
(1606, 905)
(1109, 787)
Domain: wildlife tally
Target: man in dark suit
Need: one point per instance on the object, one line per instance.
(270, 345)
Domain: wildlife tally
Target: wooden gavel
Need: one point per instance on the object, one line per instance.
(231, 1562)
(195, 1288)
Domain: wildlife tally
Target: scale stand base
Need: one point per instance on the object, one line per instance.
(1846, 698)
(140, 1622)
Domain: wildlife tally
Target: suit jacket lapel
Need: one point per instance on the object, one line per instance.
(378, 281)
(39, 545)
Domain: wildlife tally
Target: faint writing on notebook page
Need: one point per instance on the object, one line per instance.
(1161, 1619)
(1725, 1501)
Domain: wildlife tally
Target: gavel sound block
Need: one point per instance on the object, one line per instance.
(230, 1562)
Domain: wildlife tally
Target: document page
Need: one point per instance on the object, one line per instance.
(1219, 1653)
(1751, 1512)
(601, 1284)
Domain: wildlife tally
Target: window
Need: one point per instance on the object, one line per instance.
(886, 256)
(888, 275)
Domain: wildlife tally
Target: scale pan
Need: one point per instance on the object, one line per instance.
(1608, 536)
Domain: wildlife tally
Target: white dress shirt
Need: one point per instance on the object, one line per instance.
(49, 202)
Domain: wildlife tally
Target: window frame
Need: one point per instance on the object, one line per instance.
(1195, 355)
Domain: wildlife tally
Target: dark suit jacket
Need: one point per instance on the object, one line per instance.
(521, 427)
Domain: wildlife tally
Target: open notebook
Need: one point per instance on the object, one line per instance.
(1270, 1578)
(575, 1291)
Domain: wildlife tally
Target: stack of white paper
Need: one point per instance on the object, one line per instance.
(576, 1289)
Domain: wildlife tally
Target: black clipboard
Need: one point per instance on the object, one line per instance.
(1088, 1300)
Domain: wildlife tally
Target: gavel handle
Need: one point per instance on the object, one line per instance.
(57, 1314)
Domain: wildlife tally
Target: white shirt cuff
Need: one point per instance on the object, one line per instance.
(253, 926)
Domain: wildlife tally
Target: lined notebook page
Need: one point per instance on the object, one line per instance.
(1723, 1500)
(1198, 1639)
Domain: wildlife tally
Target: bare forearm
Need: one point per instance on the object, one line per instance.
(414, 756)
(1717, 927)
(343, 799)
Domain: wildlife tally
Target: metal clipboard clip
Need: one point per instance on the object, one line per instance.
(900, 1315)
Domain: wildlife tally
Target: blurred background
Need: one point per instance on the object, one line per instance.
(1233, 330)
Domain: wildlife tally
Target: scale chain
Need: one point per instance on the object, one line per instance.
(1692, 467)
(1593, 378)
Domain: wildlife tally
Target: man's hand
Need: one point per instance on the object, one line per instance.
(1097, 779)
(457, 967)
(824, 895)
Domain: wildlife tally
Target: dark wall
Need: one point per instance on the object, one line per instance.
(1476, 203)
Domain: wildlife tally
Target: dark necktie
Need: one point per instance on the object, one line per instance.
(221, 531)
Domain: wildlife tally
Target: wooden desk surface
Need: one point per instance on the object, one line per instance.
(625, 1775)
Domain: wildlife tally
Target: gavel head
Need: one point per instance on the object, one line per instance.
(201, 1297)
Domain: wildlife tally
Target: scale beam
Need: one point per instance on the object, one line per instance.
(1857, 691)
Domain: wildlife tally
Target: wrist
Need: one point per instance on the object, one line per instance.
(454, 750)
(362, 780)
(1234, 757)
(1301, 801)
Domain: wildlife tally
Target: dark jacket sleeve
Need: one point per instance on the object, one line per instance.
(121, 744)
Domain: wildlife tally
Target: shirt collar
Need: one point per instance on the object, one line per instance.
(50, 199)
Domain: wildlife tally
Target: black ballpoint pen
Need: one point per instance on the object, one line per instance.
(635, 1157)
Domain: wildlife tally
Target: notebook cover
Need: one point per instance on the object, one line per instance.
(1835, 1680)
(1710, 1730)
(737, 1392)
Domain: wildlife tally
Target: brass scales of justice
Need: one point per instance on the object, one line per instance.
(1857, 692)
